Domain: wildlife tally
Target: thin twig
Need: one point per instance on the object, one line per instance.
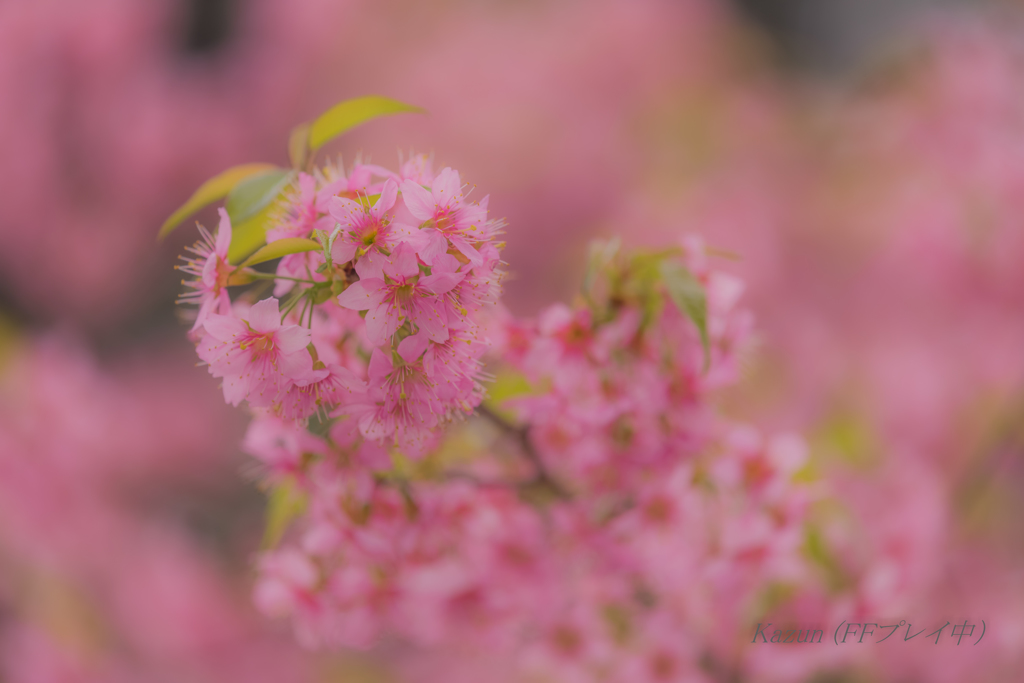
(522, 437)
(718, 670)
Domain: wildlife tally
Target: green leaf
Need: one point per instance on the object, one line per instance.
(688, 295)
(254, 193)
(347, 115)
(368, 200)
(298, 145)
(818, 551)
(213, 189)
(283, 247)
(600, 255)
(250, 235)
(507, 384)
(285, 503)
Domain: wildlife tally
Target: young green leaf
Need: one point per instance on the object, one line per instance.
(298, 146)
(213, 189)
(249, 235)
(284, 504)
(249, 196)
(688, 295)
(600, 255)
(279, 248)
(348, 114)
(507, 384)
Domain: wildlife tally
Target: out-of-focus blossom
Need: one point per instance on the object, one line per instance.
(94, 584)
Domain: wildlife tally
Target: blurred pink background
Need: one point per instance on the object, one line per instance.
(873, 196)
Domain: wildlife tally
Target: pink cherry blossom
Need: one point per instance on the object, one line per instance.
(305, 212)
(211, 270)
(319, 391)
(280, 443)
(358, 182)
(258, 359)
(446, 218)
(418, 168)
(366, 233)
(402, 295)
(400, 403)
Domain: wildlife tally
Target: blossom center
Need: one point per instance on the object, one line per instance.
(445, 221)
(260, 345)
(223, 271)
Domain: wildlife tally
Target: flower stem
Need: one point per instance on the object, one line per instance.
(256, 275)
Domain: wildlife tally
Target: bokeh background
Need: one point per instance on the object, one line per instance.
(859, 163)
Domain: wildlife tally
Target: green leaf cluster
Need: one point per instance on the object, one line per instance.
(285, 503)
(644, 279)
(251, 191)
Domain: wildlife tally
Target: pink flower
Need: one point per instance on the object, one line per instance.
(305, 212)
(211, 270)
(282, 445)
(417, 168)
(446, 217)
(454, 365)
(359, 180)
(288, 579)
(365, 231)
(402, 295)
(321, 390)
(400, 404)
(258, 359)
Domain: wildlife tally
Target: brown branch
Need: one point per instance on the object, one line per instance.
(718, 670)
(522, 438)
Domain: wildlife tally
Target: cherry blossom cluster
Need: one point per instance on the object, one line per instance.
(627, 375)
(382, 321)
(599, 520)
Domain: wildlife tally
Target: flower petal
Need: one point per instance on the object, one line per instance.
(236, 388)
(441, 283)
(430, 316)
(224, 328)
(434, 245)
(310, 376)
(360, 295)
(265, 316)
(418, 201)
(413, 347)
(296, 366)
(347, 379)
(381, 323)
(386, 199)
(345, 211)
(403, 263)
(447, 189)
(223, 234)
(292, 338)
(307, 188)
(371, 265)
(445, 263)
(380, 365)
(342, 250)
(467, 250)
